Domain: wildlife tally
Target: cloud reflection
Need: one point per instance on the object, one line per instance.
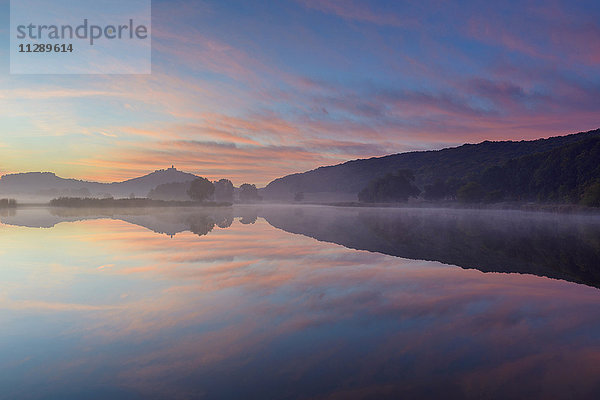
(256, 312)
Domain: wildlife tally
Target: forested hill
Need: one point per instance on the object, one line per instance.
(459, 164)
(567, 174)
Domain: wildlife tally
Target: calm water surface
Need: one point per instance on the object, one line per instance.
(298, 302)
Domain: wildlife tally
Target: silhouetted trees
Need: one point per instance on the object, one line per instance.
(567, 174)
(223, 190)
(170, 191)
(249, 192)
(564, 175)
(471, 192)
(396, 187)
(591, 196)
(201, 189)
(437, 191)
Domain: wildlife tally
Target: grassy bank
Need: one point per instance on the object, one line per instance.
(76, 202)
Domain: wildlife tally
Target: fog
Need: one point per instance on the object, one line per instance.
(544, 244)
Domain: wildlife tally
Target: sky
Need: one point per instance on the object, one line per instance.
(255, 90)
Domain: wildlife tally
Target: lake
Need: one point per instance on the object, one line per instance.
(269, 302)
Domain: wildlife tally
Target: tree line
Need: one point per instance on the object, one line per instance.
(202, 189)
(569, 174)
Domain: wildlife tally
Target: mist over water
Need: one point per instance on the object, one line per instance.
(298, 302)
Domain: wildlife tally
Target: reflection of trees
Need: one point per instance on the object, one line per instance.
(543, 247)
(225, 222)
(201, 224)
(248, 219)
(565, 247)
(549, 247)
(167, 220)
(7, 212)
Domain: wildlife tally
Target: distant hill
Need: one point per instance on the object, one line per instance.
(46, 185)
(463, 163)
(142, 185)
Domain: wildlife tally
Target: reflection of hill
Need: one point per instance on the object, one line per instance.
(564, 247)
(556, 246)
(169, 221)
(35, 218)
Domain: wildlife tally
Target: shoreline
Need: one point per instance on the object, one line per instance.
(531, 207)
(565, 209)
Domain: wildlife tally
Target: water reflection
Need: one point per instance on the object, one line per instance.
(106, 308)
(551, 245)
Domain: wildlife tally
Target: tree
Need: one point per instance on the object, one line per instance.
(201, 189)
(471, 192)
(223, 190)
(249, 192)
(170, 191)
(390, 188)
(437, 191)
(494, 196)
(452, 185)
(591, 196)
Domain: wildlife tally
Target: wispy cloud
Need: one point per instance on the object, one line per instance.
(320, 83)
(357, 10)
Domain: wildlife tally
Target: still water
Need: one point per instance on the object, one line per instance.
(298, 302)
